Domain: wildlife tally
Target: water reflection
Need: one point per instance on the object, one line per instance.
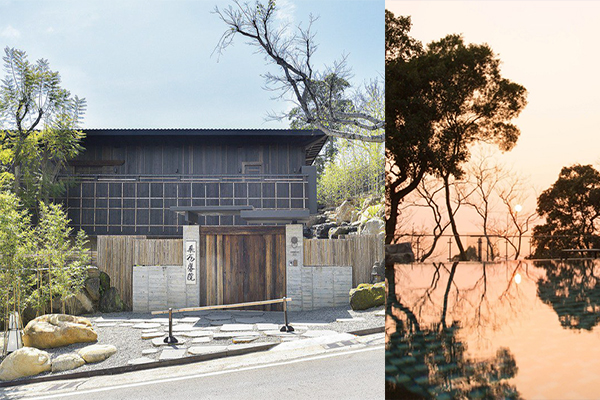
(494, 331)
(573, 291)
(430, 360)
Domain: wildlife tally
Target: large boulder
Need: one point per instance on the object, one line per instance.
(341, 230)
(97, 352)
(322, 230)
(366, 296)
(79, 304)
(104, 282)
(372, 227)
(66, 362)
(307, 233)
(400, 253)
(26, 361)
(344, 212)
(111, 301)
(92, 287)
(56, 330)
(93, 272)
(316, 220)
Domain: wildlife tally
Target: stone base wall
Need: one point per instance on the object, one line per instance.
(325, 286)
(158, 288)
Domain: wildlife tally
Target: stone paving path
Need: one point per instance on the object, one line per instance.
(205, 334)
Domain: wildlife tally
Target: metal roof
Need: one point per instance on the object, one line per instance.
(200, 132)
(315, 139)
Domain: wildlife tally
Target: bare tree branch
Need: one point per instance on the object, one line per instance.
(319, 95)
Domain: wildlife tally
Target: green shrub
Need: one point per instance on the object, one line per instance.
(356, 171)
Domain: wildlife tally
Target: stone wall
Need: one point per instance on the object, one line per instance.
(325, 286)
(160, 287)
(312, 287)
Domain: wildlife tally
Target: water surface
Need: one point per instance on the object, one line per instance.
(495, 330)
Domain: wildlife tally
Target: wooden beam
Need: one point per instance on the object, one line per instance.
(248, 304)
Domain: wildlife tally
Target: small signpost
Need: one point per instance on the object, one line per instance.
(191, 257)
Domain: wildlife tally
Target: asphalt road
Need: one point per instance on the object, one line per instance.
(356, 374)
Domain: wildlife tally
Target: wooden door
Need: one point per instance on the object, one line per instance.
(242, 263)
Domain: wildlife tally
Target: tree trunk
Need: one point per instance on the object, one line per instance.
(462, 255)
(395, 200)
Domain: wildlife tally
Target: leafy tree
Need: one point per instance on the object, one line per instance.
(356, 170)
(17, 244)
(571, 207)
(409, 130)
(37, 264)
(64, 260)
(321, 97)
(441, 100)
(38, 131)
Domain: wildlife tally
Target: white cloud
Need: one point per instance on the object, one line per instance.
(10, 32)
(285, 11)
(50, 30)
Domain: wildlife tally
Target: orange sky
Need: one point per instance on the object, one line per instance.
(550, 47)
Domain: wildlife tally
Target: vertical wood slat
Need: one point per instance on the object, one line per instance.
(243, 264)
(118, 254)
(233, 267)
(359, 252)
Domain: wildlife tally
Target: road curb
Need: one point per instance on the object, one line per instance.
(165, 363)
(140, 367)
(368, 331)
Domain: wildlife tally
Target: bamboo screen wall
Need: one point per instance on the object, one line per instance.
(358, 252)
(118, 254)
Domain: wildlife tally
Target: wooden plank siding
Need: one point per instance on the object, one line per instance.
(193, 156)
(359, 252)
(242, 263)
(116, 255)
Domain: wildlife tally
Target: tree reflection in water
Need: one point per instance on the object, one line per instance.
(572, 289)
(429, 361)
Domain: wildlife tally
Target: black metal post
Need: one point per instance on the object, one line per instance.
(171, 339)
(286, 327)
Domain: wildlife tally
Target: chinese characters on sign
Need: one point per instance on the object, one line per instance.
(190, 262)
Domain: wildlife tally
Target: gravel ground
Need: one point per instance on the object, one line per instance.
(130, 344)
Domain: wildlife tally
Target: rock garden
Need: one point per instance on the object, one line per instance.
(352, 217)
(58, 343)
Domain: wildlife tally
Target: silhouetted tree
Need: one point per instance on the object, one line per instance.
(571, 207)
(439, 102)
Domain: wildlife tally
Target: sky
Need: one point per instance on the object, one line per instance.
(151, 64)
(550, 47)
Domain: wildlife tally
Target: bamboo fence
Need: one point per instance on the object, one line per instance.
(358, 252)
(116, 255)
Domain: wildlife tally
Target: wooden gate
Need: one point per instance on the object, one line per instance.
(241, 263)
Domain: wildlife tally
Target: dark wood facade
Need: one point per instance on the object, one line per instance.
(127, 180)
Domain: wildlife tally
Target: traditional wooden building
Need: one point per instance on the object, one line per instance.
(153, 181)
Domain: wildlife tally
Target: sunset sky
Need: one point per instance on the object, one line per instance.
(551, 48)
